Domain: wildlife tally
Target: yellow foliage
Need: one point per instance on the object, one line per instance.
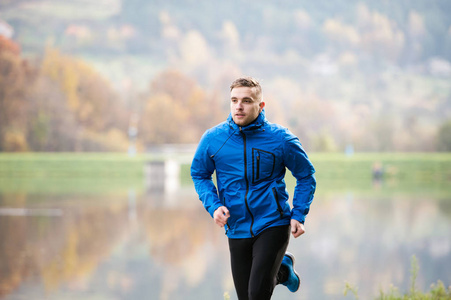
(61, 268)
(86, 110)
(87, 93)
(164, 120)
(70, 83)
(177, 110)
(13, 105)
(197, 104)
(15, 141)
(63, 70)
(113, 140)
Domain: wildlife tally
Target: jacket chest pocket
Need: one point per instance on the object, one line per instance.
(263, 163)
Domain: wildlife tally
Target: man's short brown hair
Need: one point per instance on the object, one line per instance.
(248, 82)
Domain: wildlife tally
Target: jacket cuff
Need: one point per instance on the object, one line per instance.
(297, 216)
(213, 208)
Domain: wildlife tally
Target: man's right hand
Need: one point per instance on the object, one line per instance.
(221, 215)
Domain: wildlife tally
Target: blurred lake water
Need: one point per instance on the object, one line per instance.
(129, 241)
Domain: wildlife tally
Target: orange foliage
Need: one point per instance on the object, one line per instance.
(15, 79)
(90, 99)
(6, 45)
(63, 106)
(177, 110)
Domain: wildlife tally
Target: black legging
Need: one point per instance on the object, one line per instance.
(256, 262)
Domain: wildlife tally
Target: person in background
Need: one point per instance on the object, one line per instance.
(250, 156)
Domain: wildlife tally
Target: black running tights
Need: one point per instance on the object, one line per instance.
(256, 262)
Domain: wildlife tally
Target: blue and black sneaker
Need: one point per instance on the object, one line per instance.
(293, 282)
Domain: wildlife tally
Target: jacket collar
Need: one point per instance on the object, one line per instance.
(258, 123)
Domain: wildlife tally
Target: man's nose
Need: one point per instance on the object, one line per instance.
(239, 105)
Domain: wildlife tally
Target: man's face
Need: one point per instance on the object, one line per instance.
(245, 106)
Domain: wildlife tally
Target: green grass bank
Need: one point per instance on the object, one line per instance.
(91, 172)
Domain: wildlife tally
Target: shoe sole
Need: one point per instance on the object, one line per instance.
(293, 260)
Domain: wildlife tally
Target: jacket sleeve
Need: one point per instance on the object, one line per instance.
(202, 169)
(298, 163)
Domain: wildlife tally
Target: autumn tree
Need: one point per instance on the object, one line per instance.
(62, 105)
(7, 45)
(176, 110)
(100, 117)
(15, 77)
(51, 125)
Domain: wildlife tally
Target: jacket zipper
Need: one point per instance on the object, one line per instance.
(247, 182)
(276, 197)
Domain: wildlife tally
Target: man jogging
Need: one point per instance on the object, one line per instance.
(250, 156)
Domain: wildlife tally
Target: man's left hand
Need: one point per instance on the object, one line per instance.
(297, 228)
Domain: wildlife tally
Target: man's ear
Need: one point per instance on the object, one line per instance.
(262, 105)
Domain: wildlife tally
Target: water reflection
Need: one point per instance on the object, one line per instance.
(155, 245)
(369, 242)
(112, 247)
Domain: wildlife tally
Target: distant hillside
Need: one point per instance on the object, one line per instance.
(340, 71)
(304, 28)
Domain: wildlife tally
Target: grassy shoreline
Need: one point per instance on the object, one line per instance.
(336, 172)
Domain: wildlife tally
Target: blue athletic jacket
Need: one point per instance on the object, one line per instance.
(250, 166)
